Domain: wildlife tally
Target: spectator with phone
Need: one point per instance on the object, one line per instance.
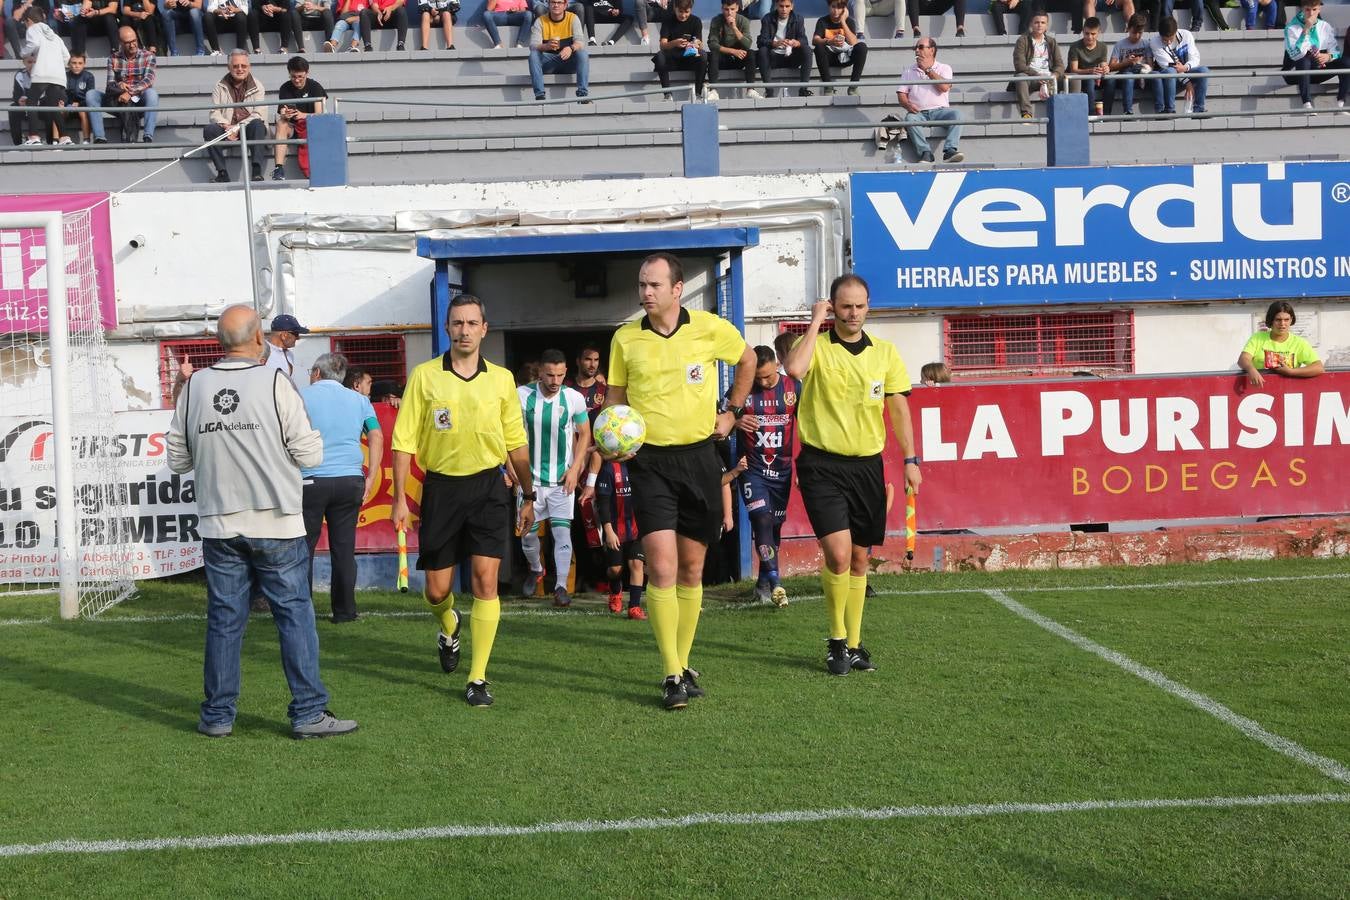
(558, 44)
(1174, 51)
(1130, 56)
(131, 83)
(300, 98)
(681, 47)
(1277, 349)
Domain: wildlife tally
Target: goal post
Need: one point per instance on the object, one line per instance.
(54, 332)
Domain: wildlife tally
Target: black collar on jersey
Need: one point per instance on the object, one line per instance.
(856, 348)
(447, 366)
(679, 323)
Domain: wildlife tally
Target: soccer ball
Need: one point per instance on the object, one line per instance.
(619, 431)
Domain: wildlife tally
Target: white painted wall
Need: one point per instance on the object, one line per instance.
(195, 253)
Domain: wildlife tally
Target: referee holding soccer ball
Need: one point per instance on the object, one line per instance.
(849, 380)
(664, 365)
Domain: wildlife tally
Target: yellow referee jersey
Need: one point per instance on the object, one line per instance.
(672, 380)
(455, 425)
(844, 394)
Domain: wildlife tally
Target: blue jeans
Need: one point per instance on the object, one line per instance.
(1126, 88)
(1165, 90)
(149, 102)
(171, 18)
(542, 64)
(918, 137)
(282, 570)
(524, 19)
(1268, 13)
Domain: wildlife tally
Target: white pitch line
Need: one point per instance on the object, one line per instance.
(799, 598)
(599, 826)
(1251, 728)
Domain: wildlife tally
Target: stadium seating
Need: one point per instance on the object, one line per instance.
(641, 136)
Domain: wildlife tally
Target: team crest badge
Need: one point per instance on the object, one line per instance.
(877, 390)
(693, 373)
(790, 398)
(440, 418)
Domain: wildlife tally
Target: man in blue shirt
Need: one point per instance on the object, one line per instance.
(335, 489)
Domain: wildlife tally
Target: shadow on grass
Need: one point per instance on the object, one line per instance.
(1084, 878)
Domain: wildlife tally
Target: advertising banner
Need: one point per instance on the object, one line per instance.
(161, 526)
(1076, 451)
(952, 238)
(23, 260)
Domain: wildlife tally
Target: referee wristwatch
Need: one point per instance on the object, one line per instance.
(725, 406)
(912, 460)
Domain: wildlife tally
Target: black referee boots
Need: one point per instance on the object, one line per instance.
(676, 696)
(449, 646)
(860, 659)
(837, 658)
(691, 688)
(476, 694)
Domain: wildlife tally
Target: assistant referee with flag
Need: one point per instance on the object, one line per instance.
(849, 380)
(460, 417)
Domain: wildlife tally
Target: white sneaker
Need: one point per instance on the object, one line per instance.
(1308, 106)
(65, 139)
(216, 53)
(646, 40)
(1340, 107)
(32, 140)
(754, 93)
(592, 41)
(710, 96)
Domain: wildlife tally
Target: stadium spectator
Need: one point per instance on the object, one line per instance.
(357, 380)
(1130, 56)
(928, 103)
(1268, 11)
(386, 14)
(559, 433)
(336, 488)
(622, 546)
(998, 9)
(1075, 9)
(605, 12)
(498, 12)
(174, 13)
(131, 83)
(1100, 9)
(837, 45)
(23, 80)
(283, 334)
(1215, 9)
(730, 45)
(1174, 51)
(1310, 47)
(239, 16)
(557, 44)
(141, 16)
(935, 373)
(272, 15)
(870, 8)
(311, 14)
(350, 17)
(79, 82)
(1036, 53)
(937, 8)
(681, 46)
(98, 17)
(782, 45)
(238, 85)
(300, 97)
(1278, 349)
(1089, 56)
(647, 11)
(48, 85)
(250, 436)
(16, 26)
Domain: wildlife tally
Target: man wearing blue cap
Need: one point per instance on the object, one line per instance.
(282, 336)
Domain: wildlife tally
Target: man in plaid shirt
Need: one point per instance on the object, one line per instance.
(131, 83)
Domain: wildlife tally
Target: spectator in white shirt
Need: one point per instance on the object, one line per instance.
(1310, 46)
(1174, 50)
(283, 334)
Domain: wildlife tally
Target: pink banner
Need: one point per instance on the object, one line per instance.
(23, 261)
(1129, 449)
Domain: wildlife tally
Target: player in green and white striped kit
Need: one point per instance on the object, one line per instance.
(559, 432)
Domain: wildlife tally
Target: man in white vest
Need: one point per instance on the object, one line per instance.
(242, 428)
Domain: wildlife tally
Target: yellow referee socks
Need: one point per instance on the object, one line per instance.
(663, 609)
(483, 619)
(691, 604)
(836, 600)
(857, 596)
(444, 612)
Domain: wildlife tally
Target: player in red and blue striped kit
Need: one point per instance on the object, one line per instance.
(618, 524)
(767, 431)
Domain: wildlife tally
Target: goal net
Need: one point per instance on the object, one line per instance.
(63, 503)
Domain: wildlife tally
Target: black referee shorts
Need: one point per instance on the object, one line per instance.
(843, 493)
(462, 516)
(678, 487)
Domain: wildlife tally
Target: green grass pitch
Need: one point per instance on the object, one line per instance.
(972, 706)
